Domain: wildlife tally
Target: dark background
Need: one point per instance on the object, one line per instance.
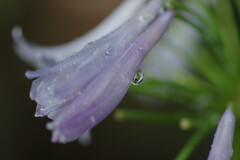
(23, 137)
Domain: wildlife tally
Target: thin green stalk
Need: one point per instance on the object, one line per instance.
(229, 34)
(151, 117)
(184, 120)
(192, 143)
(198, 28)
(209, 68)
(166, 92)
(208, 23)
(236, 139)
(237, 3)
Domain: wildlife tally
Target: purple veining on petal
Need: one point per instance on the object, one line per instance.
(70, 77)
(221, 148)
(105, 92)
(45, 56)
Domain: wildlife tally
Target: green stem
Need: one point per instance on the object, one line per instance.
(228, 34)
(195, 26)
(152, 117)
(237, 3)
(236, 139)
(210, 24)
(192, 143)
(193, 121)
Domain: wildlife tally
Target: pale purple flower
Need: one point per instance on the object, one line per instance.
(82, 90)
(221, 148)
(45, 56)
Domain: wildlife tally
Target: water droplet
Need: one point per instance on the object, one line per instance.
(48, 88)
(107, 50)
(138, 77)
(74, 61)
(140, 48)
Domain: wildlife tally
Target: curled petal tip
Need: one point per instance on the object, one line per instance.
(16, 32)
(221, 148)
(45, 56)
(37, 73)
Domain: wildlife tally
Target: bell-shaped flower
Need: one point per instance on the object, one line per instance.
(45, 56)
(221, 148)
(82, 90)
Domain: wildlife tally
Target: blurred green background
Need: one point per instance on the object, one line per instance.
(24, 137)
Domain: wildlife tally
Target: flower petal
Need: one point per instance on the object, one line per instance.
(43, 56)
(221, 148)
(69, 78)
(105, 92)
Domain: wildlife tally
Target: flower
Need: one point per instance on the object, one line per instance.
(221, 148)
(44, 56)
(82, 90)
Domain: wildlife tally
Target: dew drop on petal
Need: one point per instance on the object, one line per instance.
(138, 77)
(74, 61)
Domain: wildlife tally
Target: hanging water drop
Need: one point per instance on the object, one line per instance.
(138, 77)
